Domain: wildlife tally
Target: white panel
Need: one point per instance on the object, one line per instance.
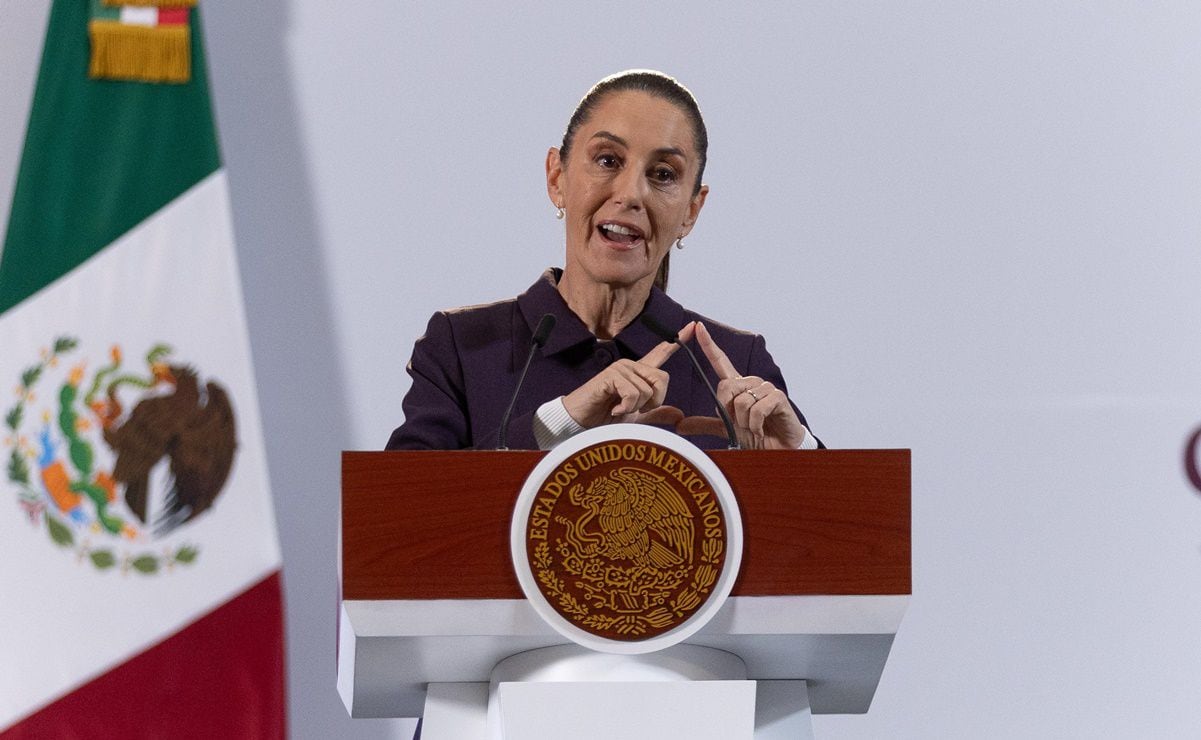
(583, 710)
(456, 711)
(399, 646)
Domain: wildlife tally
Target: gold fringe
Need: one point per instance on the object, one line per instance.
(140, 53)
(152, 3)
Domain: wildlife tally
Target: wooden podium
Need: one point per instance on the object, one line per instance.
(429, 596)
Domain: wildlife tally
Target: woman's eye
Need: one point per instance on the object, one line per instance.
(607, 161)
(664, 175)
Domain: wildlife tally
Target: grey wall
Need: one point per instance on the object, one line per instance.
(971, 229)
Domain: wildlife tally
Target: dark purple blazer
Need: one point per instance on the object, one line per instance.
(465, 367)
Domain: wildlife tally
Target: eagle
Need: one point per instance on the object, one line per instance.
(194, 430)
(642, 519)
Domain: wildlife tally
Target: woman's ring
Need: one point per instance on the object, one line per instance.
(748, 390)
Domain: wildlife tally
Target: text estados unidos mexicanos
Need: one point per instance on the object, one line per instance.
(664, 460)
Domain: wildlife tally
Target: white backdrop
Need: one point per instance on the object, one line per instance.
(969, 229)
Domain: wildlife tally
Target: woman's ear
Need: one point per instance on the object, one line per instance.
(554, 172)
(694, 210)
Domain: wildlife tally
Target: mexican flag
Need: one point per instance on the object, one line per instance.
(139, 563)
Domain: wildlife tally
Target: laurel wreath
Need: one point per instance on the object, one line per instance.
(102, 558)
(553, 585)
(703, 578)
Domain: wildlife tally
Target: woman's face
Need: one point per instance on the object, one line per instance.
(626, 187)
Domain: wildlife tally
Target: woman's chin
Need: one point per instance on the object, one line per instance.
(622, 276)
(616, 265)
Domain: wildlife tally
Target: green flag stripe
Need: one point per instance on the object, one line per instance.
(107, 12)
(100, 156)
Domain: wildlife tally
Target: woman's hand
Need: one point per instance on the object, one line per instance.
(763, 418)
(628, 390)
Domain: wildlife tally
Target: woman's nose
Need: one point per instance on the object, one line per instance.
(630, 188)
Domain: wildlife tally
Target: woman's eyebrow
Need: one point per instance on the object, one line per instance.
(661, 151)
(666, 150)
(610, 137)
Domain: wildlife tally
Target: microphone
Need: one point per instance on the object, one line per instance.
(668, 335)
(546, 325)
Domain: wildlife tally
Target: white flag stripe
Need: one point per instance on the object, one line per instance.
(139, 16)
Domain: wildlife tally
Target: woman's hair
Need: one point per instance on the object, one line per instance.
(660, 86)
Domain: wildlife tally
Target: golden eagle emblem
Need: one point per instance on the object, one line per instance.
(642, 521)
(623, 546)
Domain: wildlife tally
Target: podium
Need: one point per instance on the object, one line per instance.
(430, 604)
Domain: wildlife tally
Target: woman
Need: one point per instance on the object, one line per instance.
(627, 182)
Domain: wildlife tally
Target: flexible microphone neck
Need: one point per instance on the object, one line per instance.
(668, 335)
(546, 324)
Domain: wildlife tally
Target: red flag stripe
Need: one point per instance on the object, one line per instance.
(220, 677)
(172, 16)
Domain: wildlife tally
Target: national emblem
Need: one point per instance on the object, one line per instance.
(626, 539)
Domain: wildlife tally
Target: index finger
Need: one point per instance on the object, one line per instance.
(663, 350)
(721, 364)
(657, 356)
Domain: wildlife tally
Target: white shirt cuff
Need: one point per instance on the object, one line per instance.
(552, 424)
(809, 442)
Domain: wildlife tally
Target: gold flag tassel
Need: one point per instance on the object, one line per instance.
(153, 3)
(140, 53)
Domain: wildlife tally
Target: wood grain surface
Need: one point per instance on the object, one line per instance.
(435, 524)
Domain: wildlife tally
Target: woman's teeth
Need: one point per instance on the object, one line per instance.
(620, 233)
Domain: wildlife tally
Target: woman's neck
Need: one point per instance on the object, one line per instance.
(604, 309)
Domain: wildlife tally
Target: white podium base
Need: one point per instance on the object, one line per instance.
(595, 710)
(569, 692)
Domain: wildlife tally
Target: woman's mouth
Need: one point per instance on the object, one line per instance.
(620, 236)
